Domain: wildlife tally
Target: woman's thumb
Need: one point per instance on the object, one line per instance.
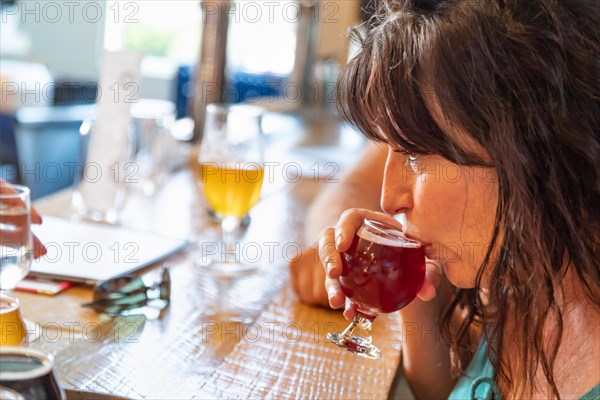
(433, 277)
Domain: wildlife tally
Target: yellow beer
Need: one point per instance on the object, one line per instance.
(232, 189)
(12, 328)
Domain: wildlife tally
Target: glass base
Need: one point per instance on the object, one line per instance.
(355, 344)
(221, 269)
(110, 215)
(105, 217)
(244, 221)
(226, 314)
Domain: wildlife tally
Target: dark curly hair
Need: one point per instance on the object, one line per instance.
(522, 80)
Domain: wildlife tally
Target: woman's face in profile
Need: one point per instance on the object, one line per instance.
(450, 208)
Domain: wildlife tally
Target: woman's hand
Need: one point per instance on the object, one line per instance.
(38, 248)
(308, 277)
(336, 240)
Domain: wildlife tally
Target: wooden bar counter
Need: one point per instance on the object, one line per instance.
(274, 348)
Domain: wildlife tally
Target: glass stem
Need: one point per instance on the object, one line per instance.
(361, 326)
(230, 227)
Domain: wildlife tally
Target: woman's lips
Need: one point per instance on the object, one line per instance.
(414, 237)
(431, 253)
(430, 248)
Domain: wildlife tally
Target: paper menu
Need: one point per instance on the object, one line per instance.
(91, 252)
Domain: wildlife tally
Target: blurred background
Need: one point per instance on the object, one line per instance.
(283, 55)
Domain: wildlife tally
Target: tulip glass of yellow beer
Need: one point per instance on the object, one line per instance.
(231, 170)
(16, 254)
(12, 327)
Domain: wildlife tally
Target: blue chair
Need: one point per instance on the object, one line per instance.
(9, 157)
(49, 145)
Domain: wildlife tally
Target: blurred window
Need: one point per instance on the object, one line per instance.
(262, 36)
(166, 31)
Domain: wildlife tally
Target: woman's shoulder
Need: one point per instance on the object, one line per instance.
(593, 394)
(478, 380)
(579, 351)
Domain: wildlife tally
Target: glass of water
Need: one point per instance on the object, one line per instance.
(16, 240)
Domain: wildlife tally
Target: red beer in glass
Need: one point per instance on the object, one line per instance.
(383, 271)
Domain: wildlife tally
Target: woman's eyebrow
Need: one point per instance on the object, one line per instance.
(399, 149)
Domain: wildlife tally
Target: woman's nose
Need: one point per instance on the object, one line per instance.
(396, 196)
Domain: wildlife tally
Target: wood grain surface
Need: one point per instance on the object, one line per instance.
(243, 338)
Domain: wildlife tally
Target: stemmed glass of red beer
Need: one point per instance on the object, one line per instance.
(383, 271)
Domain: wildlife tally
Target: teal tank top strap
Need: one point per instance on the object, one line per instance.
(484, 388)
(593, 394)
(477, 382)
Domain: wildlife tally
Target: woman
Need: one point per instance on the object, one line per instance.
(491, 113)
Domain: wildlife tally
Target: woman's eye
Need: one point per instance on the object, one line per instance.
(412, 160)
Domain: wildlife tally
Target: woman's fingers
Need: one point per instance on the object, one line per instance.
(295, 272)
(328, 254)
(334, 293)
(336, 240)
(433, 277)
(39, 249)
(36, 218)
(332, 262)
(317, 285)
(308, 277)
(346, 228)
(15, 239)
(350, 310)
(6, 189)
(351, 220)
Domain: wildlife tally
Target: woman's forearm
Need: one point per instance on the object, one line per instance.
(359, 187)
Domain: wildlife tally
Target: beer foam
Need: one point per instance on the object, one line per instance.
(404, 242)
(8, 304)
(234, 165)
